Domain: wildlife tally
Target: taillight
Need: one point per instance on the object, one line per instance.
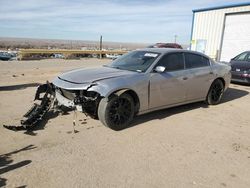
(246, 75)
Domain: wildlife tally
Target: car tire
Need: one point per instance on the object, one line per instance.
(117, 112)
(215, 92)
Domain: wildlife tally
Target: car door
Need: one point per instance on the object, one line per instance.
(200, 76)
(168, 87)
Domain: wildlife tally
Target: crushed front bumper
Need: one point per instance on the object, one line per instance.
(80, 100)
(67, 102)
(36, 114)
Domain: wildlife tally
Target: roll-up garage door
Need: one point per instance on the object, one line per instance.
(236, 38)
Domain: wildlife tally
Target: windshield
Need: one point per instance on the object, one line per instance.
(135, 61)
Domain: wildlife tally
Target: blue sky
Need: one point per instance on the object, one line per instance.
(142, 21)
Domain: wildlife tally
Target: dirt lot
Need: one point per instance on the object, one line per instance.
(189, 146)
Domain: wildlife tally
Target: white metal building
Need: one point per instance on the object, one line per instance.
(221, 32)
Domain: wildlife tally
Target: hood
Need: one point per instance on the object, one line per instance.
(83, 76)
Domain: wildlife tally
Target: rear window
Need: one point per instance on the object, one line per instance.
(248, 57)
(240, 57)
(195, 61)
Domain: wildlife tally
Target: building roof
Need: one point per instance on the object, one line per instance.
(221, 7)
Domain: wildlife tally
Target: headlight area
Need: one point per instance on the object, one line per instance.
(84, 101)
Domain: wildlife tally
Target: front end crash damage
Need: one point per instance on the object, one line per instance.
(81, 100)
(39, 109)
(55, 98)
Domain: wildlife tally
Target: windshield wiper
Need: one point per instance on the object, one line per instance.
(115, 67)
(106, 66)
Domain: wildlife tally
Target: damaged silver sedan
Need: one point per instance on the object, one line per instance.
(138, 82)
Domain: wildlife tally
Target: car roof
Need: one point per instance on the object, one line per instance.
(159, 50)
(167, 50)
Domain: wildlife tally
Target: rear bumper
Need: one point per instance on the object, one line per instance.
(240, 77)
(241, 81)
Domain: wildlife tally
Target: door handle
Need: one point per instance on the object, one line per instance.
(184, 78)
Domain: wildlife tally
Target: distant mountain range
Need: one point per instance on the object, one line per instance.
(13, 43)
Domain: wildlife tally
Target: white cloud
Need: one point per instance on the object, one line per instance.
(140, 20)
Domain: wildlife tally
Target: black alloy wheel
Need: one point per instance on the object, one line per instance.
(117, 112)
(215, 92)
(120, 111)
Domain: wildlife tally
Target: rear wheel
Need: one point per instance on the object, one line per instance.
(116, 112)
(215, 92)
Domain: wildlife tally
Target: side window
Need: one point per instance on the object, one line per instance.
(248, 57)
(240, 57)
(172, 62)
(195, 61)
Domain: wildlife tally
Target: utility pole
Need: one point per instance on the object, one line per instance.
(175, 38)
(100, 46)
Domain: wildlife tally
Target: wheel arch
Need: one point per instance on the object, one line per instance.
(132, 93)
(222, 79)
(218, 78)
(208, 100)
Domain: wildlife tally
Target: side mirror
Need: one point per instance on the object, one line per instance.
(160, 69)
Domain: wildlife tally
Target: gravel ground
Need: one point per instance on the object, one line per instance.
(188, 146)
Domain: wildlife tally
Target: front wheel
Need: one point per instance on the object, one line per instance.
(215, 92)
(116, 112)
